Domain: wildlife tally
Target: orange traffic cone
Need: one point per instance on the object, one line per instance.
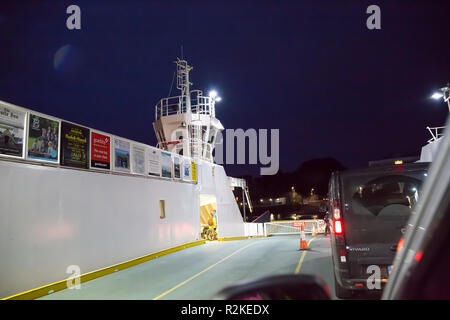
(314, 231)
(303, 243)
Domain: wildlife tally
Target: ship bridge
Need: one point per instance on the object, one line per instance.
(186, 124)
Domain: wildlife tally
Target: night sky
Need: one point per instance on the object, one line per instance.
(309, 68)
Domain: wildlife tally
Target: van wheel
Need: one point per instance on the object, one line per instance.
(342, 293)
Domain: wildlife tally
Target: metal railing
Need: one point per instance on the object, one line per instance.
(178, 105)
(436, 133)
(288, 227)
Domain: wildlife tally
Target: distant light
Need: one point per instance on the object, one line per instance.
(213, 94)
(426, 175)
(398, 162)
(218, 99)
(437, 95)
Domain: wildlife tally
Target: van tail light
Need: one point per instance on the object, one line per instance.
(418, 255)
(336, 213)
(342, 255)
(338, 227)
(336, 209)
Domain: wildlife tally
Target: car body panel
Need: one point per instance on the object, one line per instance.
(376, 204)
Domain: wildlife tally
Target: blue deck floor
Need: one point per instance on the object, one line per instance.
(199, 272)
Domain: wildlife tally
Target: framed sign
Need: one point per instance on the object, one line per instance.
(176, 167)
(154, 162)
(43, 139)
(74, 145)
(12, 131)
(166, 164)
(121, 155)
(194, 170)
(138, 159)
(100, 151)
(187, 169)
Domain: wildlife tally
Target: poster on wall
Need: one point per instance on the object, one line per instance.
(100, 151)
(166, 165)
(186, 169)
(43, 138)
(121, 155)
(138, 156)
(74, 145)
(154, 162)
(12, 128)
(194, 170)
(176, 167)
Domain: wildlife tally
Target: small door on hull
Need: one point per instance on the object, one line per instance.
(208, 217)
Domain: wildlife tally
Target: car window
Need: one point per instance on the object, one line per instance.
(386, 194)
(383, 192)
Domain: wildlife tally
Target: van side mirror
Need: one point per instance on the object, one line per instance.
(284, 287)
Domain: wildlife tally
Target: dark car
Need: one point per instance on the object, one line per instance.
(369, 210)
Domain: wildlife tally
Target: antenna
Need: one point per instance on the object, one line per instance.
(183, 76)
(171, 85)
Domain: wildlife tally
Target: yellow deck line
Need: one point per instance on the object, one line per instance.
(203, 271)
(300, 262)
(240, 238)
(61, 285)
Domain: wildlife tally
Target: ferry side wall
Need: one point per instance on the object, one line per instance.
(51, 218)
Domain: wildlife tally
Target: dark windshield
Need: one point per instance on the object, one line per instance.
(383, 192)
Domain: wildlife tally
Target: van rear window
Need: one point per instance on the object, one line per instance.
(387, 194)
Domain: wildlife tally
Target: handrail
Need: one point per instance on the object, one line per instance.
(177, 105)
(436, 133)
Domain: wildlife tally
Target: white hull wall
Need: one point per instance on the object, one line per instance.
(430, 151)
(51, 218)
